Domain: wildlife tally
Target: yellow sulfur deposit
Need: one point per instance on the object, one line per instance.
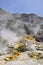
(21, 47)
(27, 37)
(35, 55)
(11, 57)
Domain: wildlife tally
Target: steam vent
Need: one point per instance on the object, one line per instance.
(21, 39)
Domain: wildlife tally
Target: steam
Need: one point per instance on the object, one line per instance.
(9, 35)
(36, 29)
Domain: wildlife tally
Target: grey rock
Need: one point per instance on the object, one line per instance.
(22, 24)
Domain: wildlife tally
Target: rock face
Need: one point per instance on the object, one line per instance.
(21, 24)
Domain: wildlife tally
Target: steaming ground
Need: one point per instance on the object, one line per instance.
(13, 26)
(7, 37)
